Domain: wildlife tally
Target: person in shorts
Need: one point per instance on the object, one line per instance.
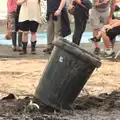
(101, 12)
(29, 19)
(110, 32)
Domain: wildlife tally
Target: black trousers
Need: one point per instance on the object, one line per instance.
(81, 16)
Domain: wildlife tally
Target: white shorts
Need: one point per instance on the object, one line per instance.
(96, 18)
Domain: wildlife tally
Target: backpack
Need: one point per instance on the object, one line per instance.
(87, 4)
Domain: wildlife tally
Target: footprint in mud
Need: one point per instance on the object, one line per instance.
(104, 101)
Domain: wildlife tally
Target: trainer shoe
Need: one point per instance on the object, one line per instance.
(111, 55)
(94, 39)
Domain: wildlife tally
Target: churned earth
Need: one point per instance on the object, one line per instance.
(99, 100)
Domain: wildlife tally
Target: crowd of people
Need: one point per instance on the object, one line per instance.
(24, 16)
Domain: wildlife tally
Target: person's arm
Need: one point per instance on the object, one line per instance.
(61, 6)
(115, 24)
(78, 1)
(20, 2)
(112, 10)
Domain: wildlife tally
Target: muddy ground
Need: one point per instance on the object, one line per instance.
(99, 100)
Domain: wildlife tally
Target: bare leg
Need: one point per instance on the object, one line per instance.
(24, 42)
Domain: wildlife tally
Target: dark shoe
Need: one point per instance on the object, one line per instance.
(97, 51)
(33, 45)
(94, 39)
(23, 52)
(14, 48)
(48, 50)
(33, 52)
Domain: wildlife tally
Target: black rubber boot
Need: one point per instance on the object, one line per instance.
(19, 39)
(24, 48)
(33, 49)
(13, 35)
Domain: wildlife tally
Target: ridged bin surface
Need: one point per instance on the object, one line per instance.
(65, 75)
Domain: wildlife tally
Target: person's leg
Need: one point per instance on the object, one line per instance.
(33, 28)
(109, 35)
(50, 35)
(95, 23)
(108, 47)
(80, 17)
(14, 37)
(108, 39)
(24, 26)
(57, 28)
(11, 28)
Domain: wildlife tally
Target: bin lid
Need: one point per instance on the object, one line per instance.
(79, 52)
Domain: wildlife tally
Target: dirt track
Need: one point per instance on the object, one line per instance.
(20, 77)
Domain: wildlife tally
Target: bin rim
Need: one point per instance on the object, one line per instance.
(81, 53)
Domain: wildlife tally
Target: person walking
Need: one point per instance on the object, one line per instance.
(11, 26)
(81, 15)
(29, 19)
(55, 8)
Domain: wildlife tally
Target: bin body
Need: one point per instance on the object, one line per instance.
(64, 77)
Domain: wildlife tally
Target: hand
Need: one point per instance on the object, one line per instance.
(70, 6)
(57, 12)
(43, 20)
(108, 27)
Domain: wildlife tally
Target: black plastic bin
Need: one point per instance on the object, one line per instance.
(65, 75)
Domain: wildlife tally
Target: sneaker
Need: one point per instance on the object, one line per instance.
(94, 39)
(111, 55)
(97, 51)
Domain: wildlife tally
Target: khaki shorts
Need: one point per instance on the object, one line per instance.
(97, 18)
(11, 22)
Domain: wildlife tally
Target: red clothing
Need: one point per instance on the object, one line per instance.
(11, 5)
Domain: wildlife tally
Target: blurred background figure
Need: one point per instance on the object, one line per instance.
(11, 9)
(29, 19)
(56, 12)
(102, 12)
(81, 15)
